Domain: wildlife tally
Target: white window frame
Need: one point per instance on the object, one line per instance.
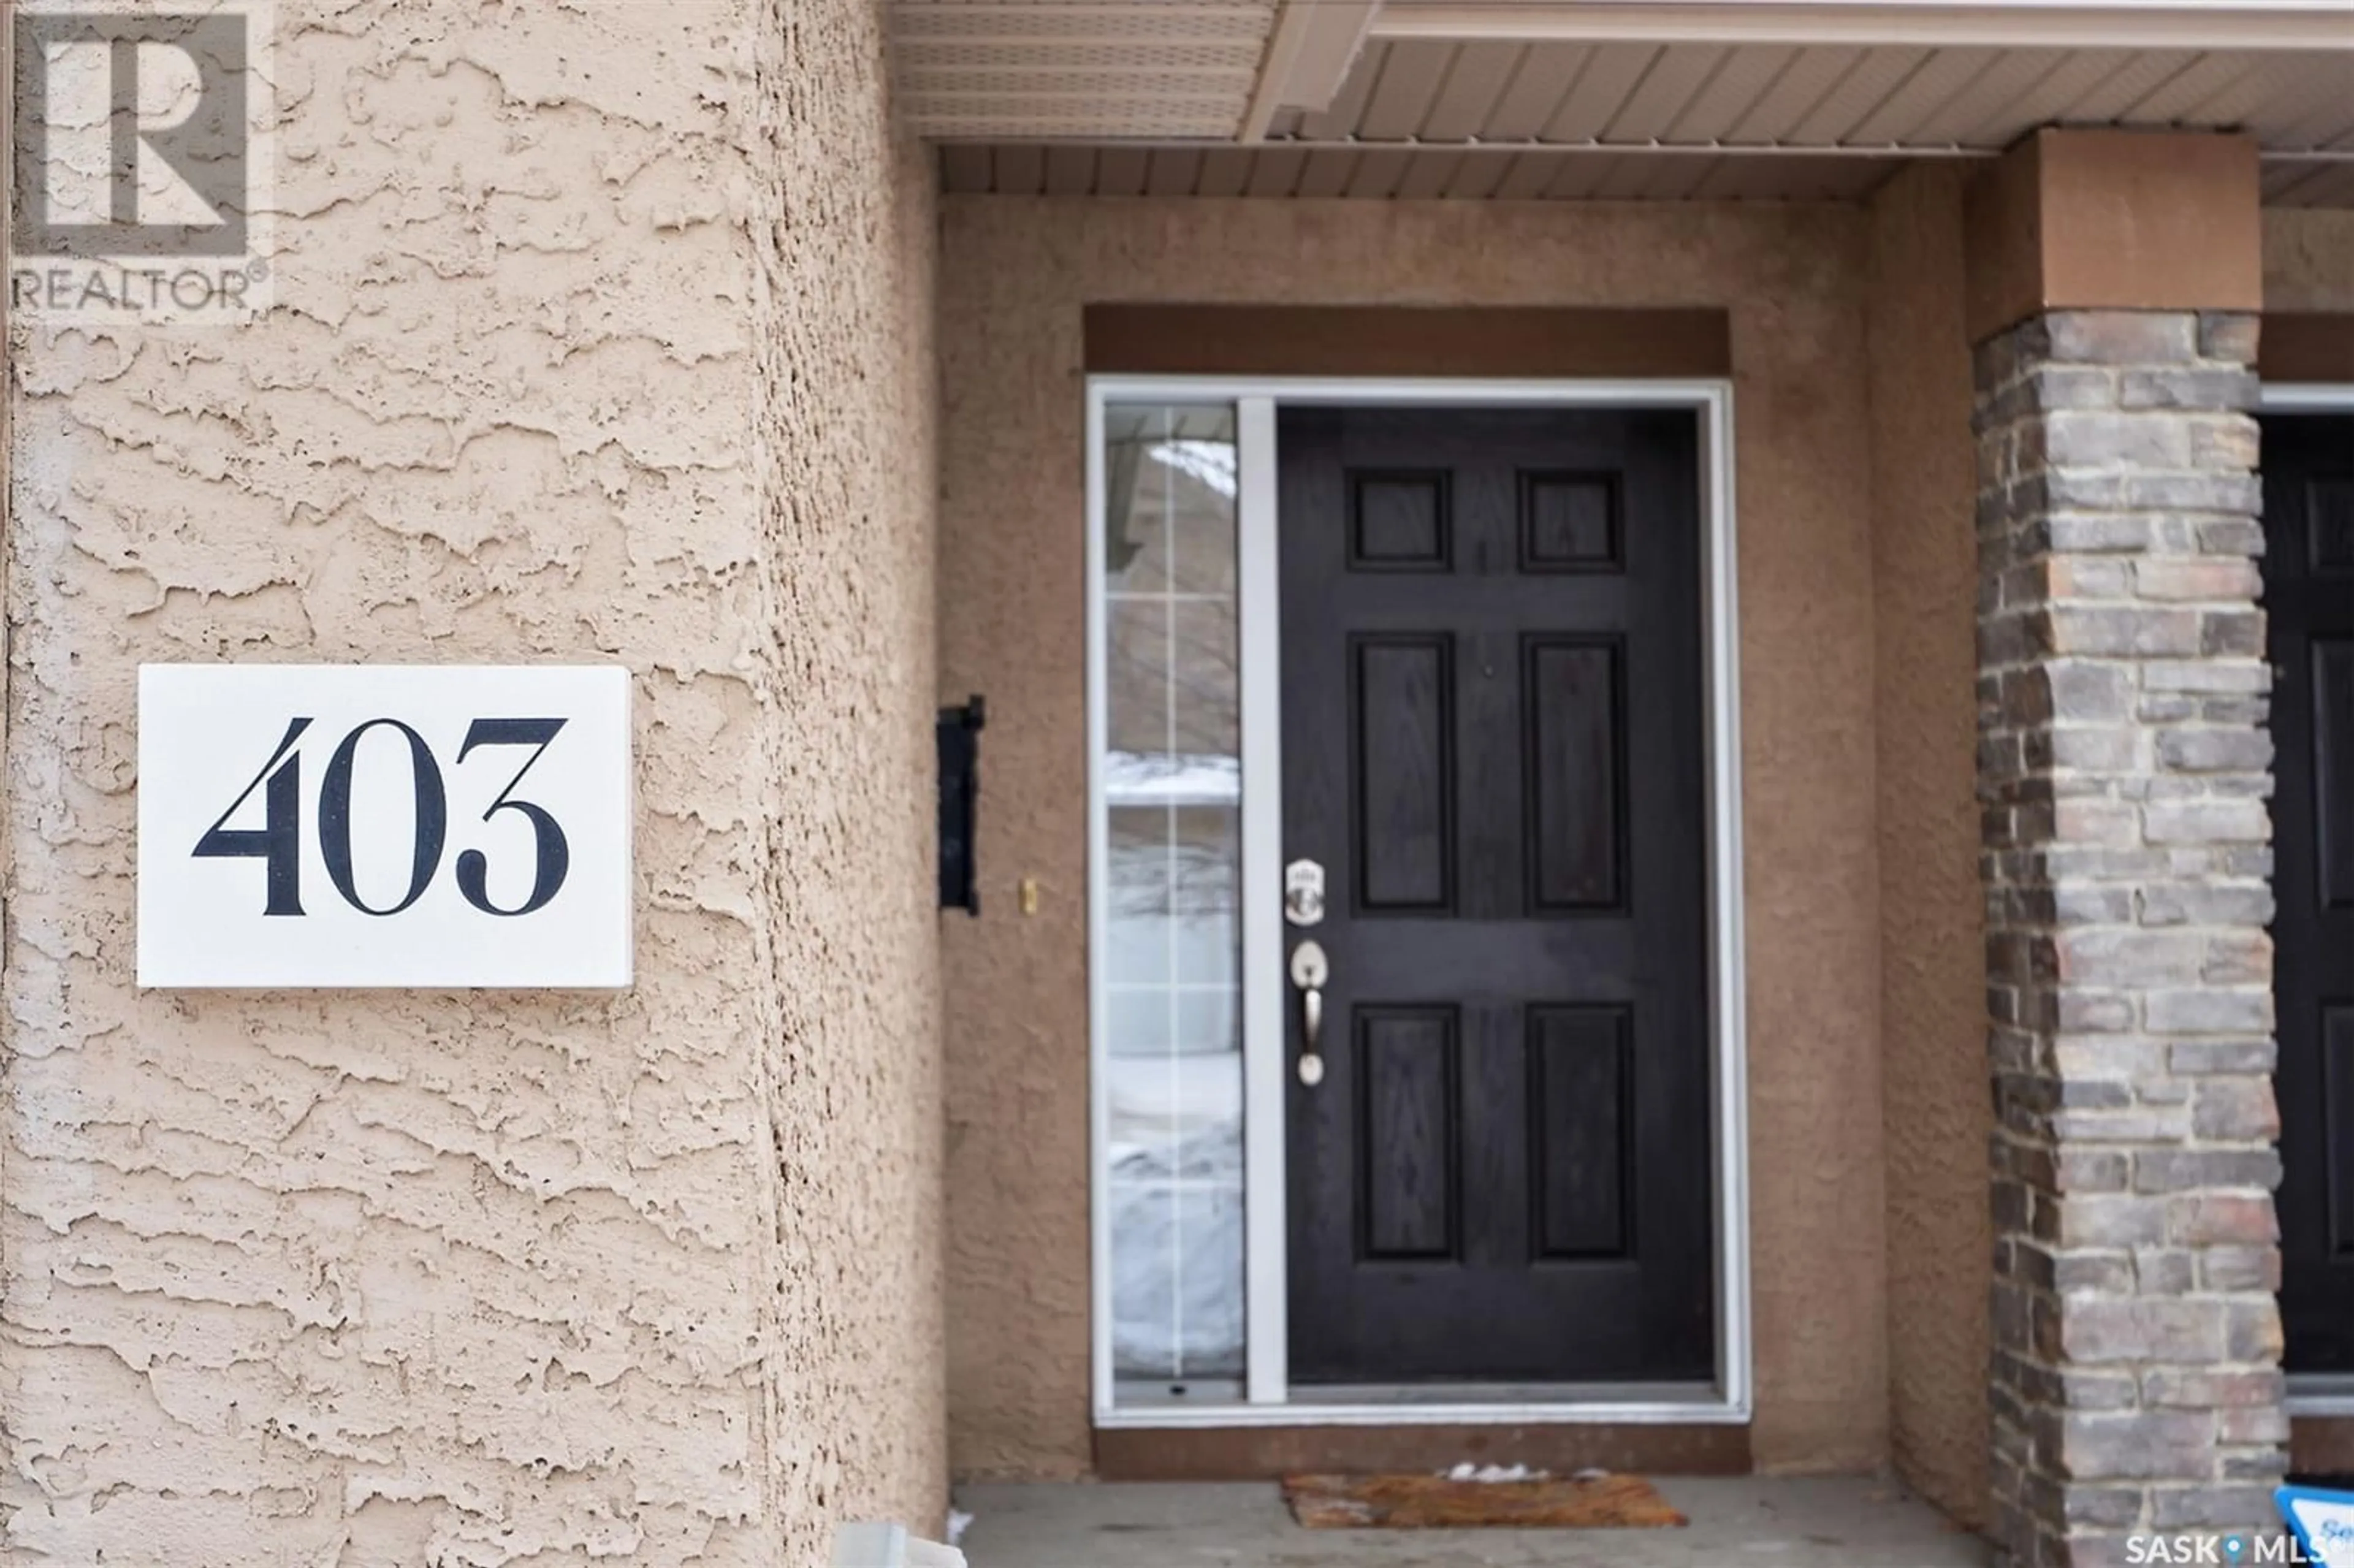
(2309, 1393)
(1267, 1398)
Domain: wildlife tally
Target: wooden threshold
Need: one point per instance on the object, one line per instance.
(2317, 1445)
(1268, 1453)
(2306, 347)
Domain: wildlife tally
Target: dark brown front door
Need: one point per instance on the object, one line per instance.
(2308, 464)
(1493, 747)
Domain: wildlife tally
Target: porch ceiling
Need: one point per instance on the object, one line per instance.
(1273, 169)
(1568, 99)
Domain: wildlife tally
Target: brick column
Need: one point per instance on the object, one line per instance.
(2124, 766)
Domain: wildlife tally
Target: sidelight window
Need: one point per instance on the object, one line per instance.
(1170, 778)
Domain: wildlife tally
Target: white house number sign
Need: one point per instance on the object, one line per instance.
(355, 826)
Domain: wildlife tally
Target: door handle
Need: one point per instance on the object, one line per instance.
(1310, 971)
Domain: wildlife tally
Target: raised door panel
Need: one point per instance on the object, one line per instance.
(1408, 1077)
(2333, 770)
(1402, 773)
(1581, 1086)
(2338, 1119)
(1574, 754)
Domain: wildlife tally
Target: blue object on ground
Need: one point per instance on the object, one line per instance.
(2322, 1521)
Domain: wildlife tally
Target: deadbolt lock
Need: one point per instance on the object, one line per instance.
(1303, 892)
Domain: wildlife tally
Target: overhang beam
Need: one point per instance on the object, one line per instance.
(2302, 25)
(1309, 54)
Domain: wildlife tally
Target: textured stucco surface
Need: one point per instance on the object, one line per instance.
(2308, 259)
(1015, 275)
(1932, 913)
(602, 336)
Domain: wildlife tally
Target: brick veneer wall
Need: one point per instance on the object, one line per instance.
(2124, 766)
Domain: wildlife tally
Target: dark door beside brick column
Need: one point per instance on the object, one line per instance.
(2308, 467)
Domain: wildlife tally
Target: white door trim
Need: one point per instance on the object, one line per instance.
(1259, 648)
(1266, 1395)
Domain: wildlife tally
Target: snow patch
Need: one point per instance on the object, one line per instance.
(1494, 1474)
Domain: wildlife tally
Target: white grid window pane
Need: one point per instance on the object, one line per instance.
(1174, 795)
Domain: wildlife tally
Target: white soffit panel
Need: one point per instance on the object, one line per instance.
(1408, 173)
(1080, 69)
(1419, 173)
(1888, 97)
(2004, 23)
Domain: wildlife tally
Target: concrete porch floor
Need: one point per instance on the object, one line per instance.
(1828, 1522)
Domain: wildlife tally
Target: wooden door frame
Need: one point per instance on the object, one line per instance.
(2312, 1394)
(1266, 1398)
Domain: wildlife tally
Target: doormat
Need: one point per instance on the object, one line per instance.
(1438, 1502)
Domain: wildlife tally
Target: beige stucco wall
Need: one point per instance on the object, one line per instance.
(2308, 259)
(1932, 913)
(1015, 275)
(602, 336)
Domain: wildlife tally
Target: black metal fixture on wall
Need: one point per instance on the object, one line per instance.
(958, 732)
